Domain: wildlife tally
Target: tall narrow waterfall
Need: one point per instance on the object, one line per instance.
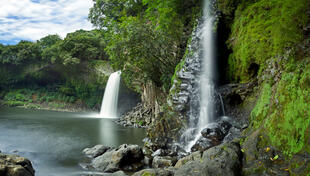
(207, 77)
(206, 80)
(110, 98)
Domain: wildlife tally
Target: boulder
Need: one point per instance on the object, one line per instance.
(125, 157)
(163, 161)
(213, 132)
(224, 159)
(13, 165)
(193, 156)
(118, 173)
(96, 151)
(232, 134)
(154, 172)
(224, 126)
(213, 135)
(203, 144)
(159, 152)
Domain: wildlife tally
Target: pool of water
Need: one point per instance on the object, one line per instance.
(54, 141)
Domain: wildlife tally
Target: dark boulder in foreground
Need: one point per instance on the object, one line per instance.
(224, 159)
(13, 165)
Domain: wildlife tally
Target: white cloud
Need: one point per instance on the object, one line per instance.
(32, 20)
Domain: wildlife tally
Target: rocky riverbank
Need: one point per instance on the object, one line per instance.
(217, 152)
(13, 165)
(139, 117)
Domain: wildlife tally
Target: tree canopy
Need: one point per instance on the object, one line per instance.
(145, 38)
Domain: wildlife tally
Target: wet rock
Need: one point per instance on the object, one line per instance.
(125, 157)
(163, 161)
(159, 152)
(118, 173)
(234, 96)
(13, 165)
(203, 144)
(177, 151)
(224, 126)
(233, 133)
(147, 161)
(138, 117)
(96, 151)
(224, 159)
(146, 151)
(155, 172)
(213, 132)
(193, 156)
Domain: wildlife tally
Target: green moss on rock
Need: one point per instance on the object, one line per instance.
(262, 30)
(260, 110)
(287, 125)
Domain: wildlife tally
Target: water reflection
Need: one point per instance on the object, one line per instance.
(108, 133)
(53, 141)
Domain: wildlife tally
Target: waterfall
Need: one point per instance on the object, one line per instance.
(222, 104)
(206, 80)
(110, 98)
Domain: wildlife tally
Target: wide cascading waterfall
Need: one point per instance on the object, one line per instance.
(110, 98)
(206, 81)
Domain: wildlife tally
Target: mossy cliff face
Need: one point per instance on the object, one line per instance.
(269, 41)
(57, 87)
(263, 30)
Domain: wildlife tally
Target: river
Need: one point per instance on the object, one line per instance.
(54, 141)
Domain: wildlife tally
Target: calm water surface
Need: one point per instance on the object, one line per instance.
(53, 141)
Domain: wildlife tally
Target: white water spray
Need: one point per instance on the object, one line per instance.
(110, 98)
(207, 77)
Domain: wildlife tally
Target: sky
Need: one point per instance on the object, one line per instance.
(34, 19)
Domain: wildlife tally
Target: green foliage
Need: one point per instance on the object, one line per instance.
(83, 45)
(145, 39)
(23, 53)
(105, 13)
(262, 30)
(283, 109)
(287, 124)
(261, 108)
(144, 60)
(48, 41)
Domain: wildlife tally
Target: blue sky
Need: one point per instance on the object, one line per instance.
(34, 19)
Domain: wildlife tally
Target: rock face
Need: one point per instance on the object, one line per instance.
(13, 165)
(125, 157)
(234, 96)
(139, 116)
(224, 159)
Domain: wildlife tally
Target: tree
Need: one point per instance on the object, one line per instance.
(22, 53)
(48, 41)
(84, 45)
